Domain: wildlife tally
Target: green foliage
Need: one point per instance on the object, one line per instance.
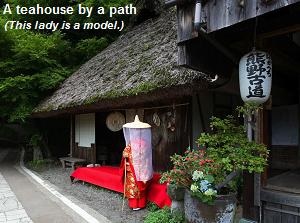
(183, 168)
(195, 172)
(248, 108)
(35, 140)
(230, 149)
(40, 165)
(34, 63)
(152, 207)
(164, 216)
(30, 69)
(226, 150)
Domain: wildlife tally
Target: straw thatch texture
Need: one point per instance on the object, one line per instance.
(138, 63)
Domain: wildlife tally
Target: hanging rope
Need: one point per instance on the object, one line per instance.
(150, 108)
(255, 33)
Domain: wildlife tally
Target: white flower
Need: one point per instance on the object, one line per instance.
(197, 175)
(194, 188)
(210, 192)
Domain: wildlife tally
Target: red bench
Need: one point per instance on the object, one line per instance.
(111, 178)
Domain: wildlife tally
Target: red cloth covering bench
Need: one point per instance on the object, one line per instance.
(110, 177)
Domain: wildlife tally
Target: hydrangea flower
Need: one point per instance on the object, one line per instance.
(204, 184)
(210, 192)
(197, 175)
(194, 188)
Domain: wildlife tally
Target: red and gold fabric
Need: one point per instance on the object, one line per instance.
(134, 190)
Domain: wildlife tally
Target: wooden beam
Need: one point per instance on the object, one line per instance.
(223, 13)
(223, 49)
(284, 61)
(72, 135)
(278, 32)
(201, 55)
(249, 210)
(185, 21)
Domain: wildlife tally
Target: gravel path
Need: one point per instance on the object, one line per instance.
(107, 203)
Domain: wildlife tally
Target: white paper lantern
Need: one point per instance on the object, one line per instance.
(255, 72)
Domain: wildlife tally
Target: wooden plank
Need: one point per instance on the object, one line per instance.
(87, 153)
(280, 31)
(72, 135)
(263, 8)
(249, 210)
(280, 197)
(71, 161)
(130, 114)
(223, 13)
(264, 137)
(290, 215)
(183, 55)
(201, 55)
(167, 141)
(215, 10)
(185, 17)
(271, 214)
(257, 187)
(93, 153)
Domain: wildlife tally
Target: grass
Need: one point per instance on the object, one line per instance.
(40, 165)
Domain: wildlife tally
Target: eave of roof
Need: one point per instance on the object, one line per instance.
(140, 62)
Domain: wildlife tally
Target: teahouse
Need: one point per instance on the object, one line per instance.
(136, 74)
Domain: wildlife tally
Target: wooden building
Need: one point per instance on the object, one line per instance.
(136, 74)
(228, 30)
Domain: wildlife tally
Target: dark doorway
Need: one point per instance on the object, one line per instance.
(109, 144)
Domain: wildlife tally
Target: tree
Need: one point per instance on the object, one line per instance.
(33, 63)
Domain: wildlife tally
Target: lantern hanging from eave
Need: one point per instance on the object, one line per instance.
(255, 74)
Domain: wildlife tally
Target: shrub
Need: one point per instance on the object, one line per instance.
(215, 169)
(164, 216)
(40, 165)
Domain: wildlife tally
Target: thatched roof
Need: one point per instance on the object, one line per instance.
(142, 62)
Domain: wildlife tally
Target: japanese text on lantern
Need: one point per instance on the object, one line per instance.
(258, 65)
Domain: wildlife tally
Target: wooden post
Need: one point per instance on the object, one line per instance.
(72, 135)
(257, 178)
(250, 210)
(262, 135)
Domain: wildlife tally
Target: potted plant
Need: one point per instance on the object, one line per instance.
(210, 175)
(178, 178)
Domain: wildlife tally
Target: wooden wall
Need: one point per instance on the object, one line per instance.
(87, 153)
(171, 136)
(222, 13)
(280, 207)
(218, 14)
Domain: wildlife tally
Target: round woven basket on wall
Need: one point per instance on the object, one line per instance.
(115, 121)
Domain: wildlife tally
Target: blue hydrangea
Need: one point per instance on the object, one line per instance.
(204, 185)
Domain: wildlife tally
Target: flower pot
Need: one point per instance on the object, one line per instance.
(223, 209)
(177, 195)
